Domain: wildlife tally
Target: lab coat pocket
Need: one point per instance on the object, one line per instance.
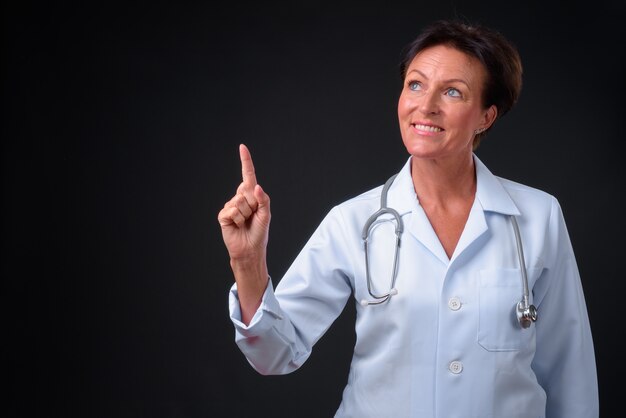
(499, 292)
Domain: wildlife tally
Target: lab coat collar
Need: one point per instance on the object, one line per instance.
(490, 192)
(401, 195)
(490, 196)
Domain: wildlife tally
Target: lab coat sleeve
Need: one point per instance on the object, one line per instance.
(564, 362)
(268, 341)
(292, 318)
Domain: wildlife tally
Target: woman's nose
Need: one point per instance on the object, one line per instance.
(429, 103)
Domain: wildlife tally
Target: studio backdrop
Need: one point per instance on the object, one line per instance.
(121, 126)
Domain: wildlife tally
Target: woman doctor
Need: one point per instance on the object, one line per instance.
(469, 300)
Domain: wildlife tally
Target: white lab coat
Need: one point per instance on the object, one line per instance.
(448, 344)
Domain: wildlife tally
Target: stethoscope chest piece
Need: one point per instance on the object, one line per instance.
(526, 314)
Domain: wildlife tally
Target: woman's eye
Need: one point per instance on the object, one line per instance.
(415, 85)
(452, 92)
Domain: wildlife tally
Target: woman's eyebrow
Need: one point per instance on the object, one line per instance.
(450, 80)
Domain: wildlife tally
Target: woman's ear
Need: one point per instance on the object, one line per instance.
(489, 117)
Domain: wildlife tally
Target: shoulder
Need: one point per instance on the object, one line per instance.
(359, 206)
(532, 201)
(351, 214)
(370, 200)
(523, 191)
(366, 199)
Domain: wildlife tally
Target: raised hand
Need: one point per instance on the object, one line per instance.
(245, 222)
(245, 218)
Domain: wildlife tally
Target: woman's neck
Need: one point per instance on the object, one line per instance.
(440, 182)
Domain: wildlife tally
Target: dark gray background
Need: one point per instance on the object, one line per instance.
(120, 131)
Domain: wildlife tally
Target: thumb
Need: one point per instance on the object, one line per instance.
(263, 199)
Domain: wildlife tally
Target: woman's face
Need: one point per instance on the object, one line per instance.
(440, 106)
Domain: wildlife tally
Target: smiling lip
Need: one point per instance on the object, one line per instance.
(427, 128)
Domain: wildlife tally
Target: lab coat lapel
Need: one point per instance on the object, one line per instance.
(475, 226)
(421, 228)
(490, 196)
(490, 192)
(402, 197)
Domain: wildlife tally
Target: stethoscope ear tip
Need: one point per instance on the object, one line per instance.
(393, 291)
(364, 302)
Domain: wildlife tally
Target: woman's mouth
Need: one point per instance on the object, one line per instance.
(427, 128)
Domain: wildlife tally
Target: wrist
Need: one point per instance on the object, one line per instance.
(252, 280)
(251, 275)
(254, 265)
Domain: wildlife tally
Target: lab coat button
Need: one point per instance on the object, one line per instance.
(454, 303)
(455, 367)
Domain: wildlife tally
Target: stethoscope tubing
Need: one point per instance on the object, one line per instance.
(526, 313)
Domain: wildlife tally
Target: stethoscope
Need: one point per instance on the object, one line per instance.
(526, 312)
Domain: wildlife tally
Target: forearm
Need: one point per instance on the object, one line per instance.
(251, 275)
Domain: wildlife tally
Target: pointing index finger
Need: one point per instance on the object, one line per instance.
(247, 167)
